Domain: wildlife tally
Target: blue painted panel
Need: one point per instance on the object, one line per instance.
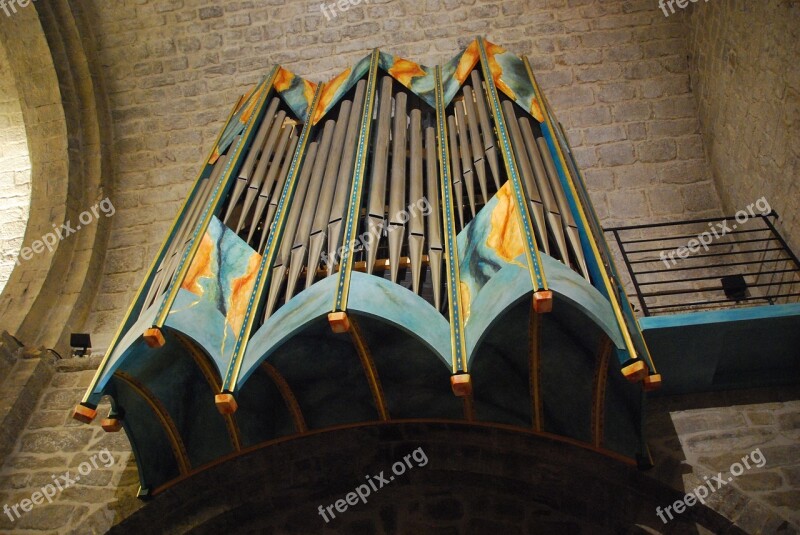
(719, 316)
(492, 282)
(210, 306)
(726, 349)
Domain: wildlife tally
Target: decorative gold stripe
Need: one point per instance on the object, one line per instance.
(370, 371)
(535, 348)
(609, 288)
(153, 265)
(599, 392)
(287, 395)
(538, 278)
(215, 382)
(173, 435)
(235, 367)
(457, 337)
(357, 188)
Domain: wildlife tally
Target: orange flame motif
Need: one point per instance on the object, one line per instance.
(493, 50)
(249, 100)
(283, 80)
(466, 300)
(536, 110)
(467, 62)
(329, 92)
(505, 236)
(497, 70)
(309, 88)
(241, 289)
(200, 267)
(404, 70)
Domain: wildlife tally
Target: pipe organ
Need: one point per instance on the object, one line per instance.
(400, 242)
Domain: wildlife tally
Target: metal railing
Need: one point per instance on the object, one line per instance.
(706, 264)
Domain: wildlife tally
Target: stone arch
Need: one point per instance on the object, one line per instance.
(50, 49)
(15, 171)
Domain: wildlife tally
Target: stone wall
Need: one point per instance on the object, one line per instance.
(696, 437)
(746, 78)
(615, 72)
(50, 445)
(15, 172)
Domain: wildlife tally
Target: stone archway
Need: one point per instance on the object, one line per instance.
(15, 171)
(50, 51)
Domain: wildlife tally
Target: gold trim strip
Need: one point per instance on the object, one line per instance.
(535, 268)
(370, 371)
(215, 382)
(460, 359)
(235, 366)
(173, 435)
(357, 188)
(581, 212)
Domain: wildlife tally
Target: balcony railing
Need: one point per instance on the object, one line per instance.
(707, 264)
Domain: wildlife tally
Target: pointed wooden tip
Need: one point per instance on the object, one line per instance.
(154, 338)
(84, 414)
(543, 301)
(652, 382)
(339, 322)
(111, 425)
(461, 384)
(226, 403)
(635, 372)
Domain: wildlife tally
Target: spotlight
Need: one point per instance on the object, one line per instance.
(735, 287)
(80, 343)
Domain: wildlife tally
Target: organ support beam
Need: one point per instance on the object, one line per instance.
(538, 278)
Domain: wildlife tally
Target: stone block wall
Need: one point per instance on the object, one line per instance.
(615, 72)
(746, 78)
(15, 172)
(696, 437)
(50, 447)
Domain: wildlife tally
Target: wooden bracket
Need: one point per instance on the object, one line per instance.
(652, 382)
(226, 403)
(154, 338)
(543, 301)
(635, 372)
(461, 384)
(111, 425)
(339, 322)
(84, 414)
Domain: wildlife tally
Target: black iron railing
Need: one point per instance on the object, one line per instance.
(707, 264)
